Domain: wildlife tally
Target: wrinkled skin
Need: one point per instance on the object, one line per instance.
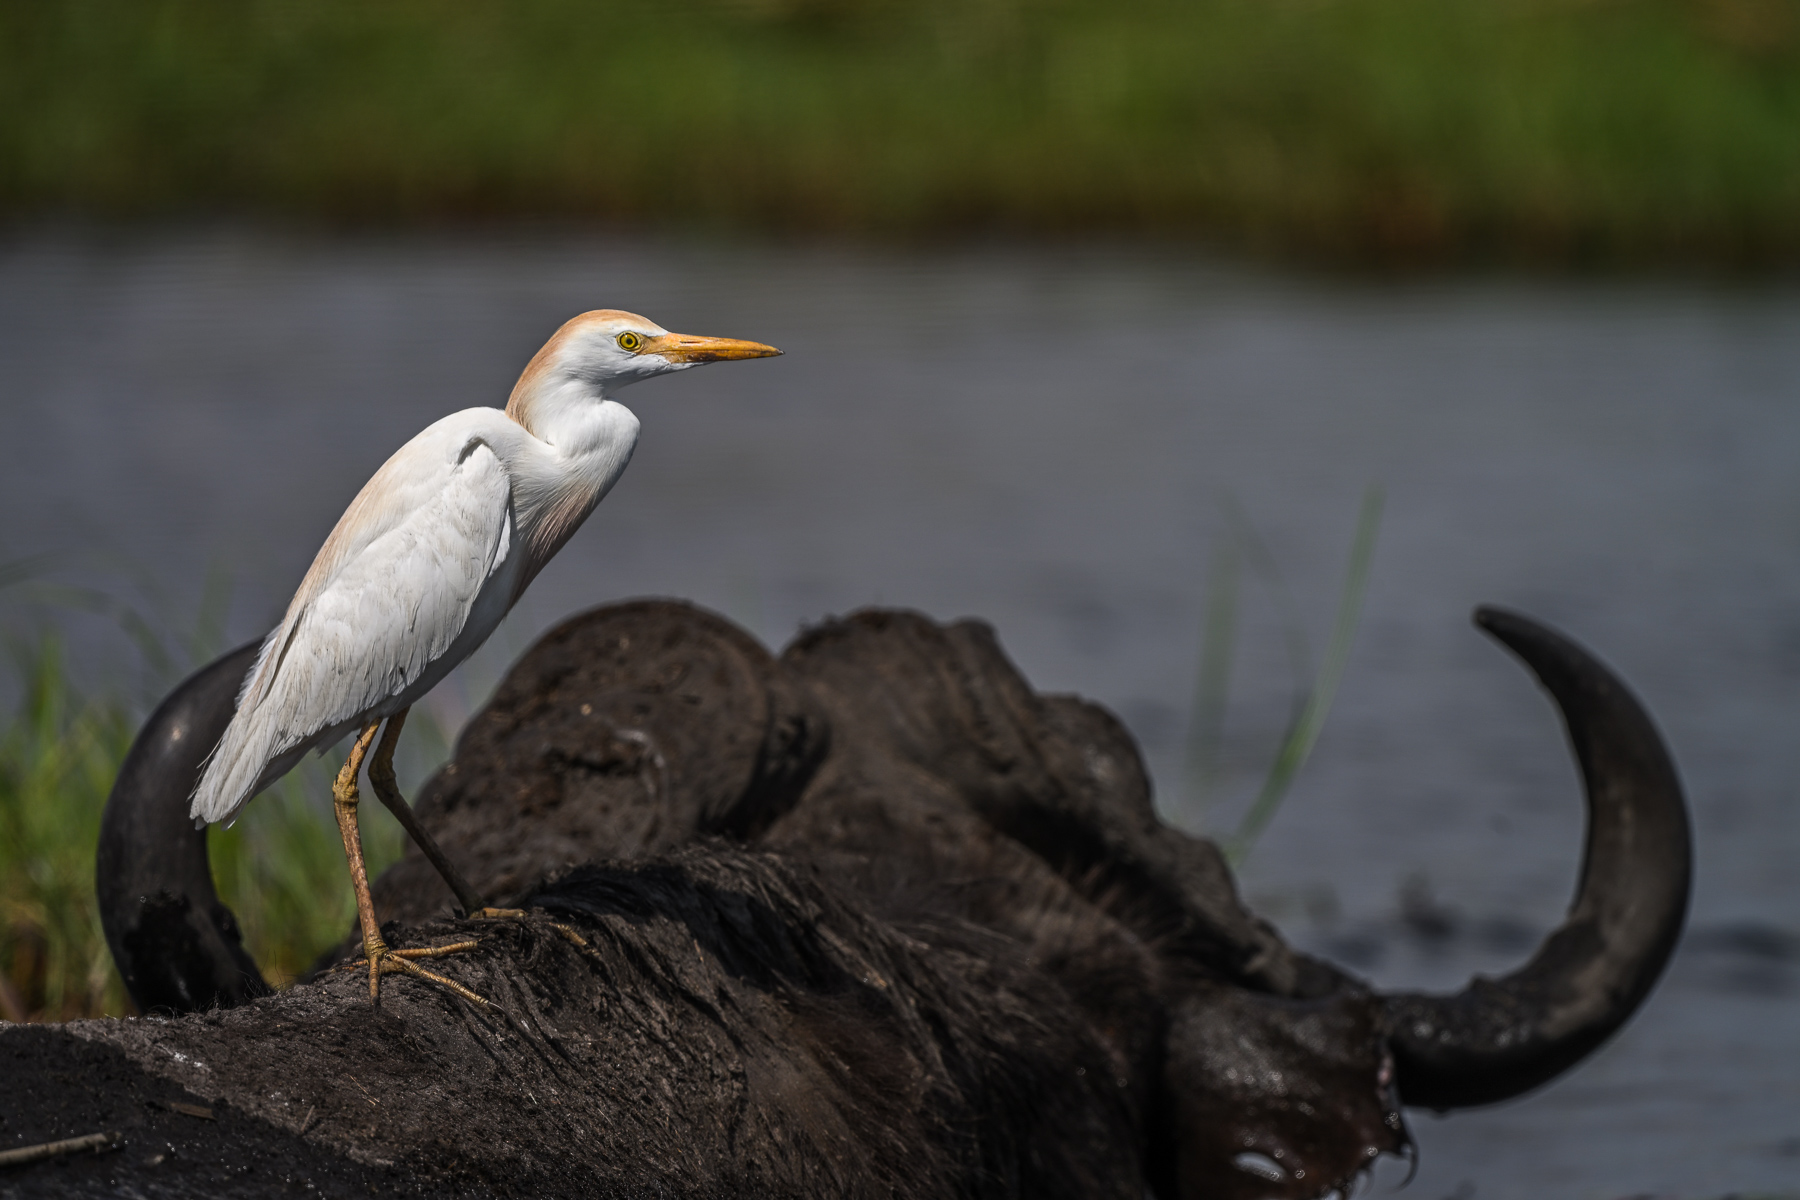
(998, 850)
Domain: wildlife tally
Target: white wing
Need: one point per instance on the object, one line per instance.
(384, 604)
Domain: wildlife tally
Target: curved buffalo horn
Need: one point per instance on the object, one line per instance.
(1498, 1038)
(176, 943)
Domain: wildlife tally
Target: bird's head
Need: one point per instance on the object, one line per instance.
(602, 351)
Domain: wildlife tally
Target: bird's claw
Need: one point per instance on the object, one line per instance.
(411, 952)
(436, 951)
(387, 962)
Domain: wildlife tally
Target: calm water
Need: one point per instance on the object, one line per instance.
(1050, 439)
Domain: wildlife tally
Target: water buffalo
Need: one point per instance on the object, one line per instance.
(870, 918)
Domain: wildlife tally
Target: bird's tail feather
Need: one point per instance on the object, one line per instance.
(233, 772)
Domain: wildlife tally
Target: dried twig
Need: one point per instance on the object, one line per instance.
(31, 1154)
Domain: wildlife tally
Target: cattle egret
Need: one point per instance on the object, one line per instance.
(422, 567)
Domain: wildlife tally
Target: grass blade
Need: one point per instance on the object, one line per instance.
(1218, 642)
(1303, 733)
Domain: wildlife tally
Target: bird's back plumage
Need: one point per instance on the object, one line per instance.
(415, 575)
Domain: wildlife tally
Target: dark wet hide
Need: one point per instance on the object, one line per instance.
(627, 731)
(175, 1143)
(717, 1024)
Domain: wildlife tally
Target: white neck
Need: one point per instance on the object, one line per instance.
(580, 442)
(569, 414)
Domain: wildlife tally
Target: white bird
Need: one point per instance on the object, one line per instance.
(423, 566)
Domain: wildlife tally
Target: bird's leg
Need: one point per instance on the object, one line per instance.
(387, 789)
(344, 799)
(381, 959)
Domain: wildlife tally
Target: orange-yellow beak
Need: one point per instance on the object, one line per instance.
(685, 348)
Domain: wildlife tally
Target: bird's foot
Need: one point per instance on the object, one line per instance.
(390, 962)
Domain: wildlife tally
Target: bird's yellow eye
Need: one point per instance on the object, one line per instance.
(630, 342)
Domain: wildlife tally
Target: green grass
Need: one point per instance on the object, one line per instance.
(280, 869)
(1390, 130)
(58, 758)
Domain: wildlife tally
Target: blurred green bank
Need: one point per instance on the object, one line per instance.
(1561, 131)
(280, 868)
